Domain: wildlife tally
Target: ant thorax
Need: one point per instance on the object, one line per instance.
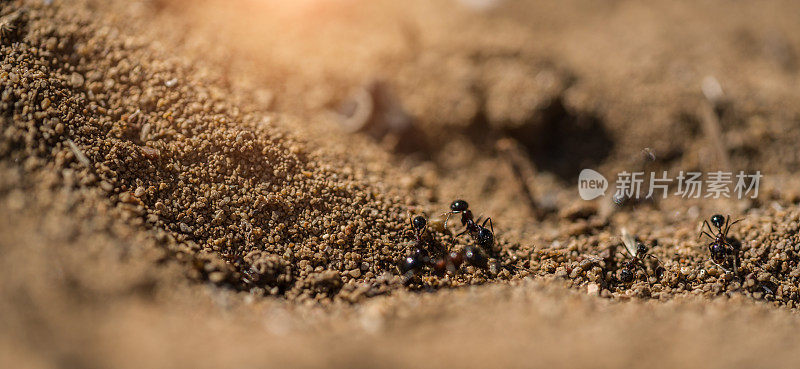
(466, 217)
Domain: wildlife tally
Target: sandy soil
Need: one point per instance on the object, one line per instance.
(204, 184)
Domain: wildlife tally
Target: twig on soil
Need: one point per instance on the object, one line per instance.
(522, 168)
(713, 93)
(79, 155)
(362, 111)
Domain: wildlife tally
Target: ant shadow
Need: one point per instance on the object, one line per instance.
(767, 286)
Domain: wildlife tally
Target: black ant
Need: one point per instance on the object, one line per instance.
(448, 261)
(638, 253)
(482, 235)
(418, 225)
(720, 248)
(419, 256)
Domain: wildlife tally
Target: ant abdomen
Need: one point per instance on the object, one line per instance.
(410, 265)
(457, 258)
(475, 257)
(485, 238)
(718, 252)
(626, 275)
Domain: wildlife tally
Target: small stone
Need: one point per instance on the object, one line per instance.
(580, 210)
(150, 152)
(185, 228)
(107, 187)
(126, 197)
(76, 80)
(216, 277)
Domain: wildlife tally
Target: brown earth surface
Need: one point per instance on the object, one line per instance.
(214, 183)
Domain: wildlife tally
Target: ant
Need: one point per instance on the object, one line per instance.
(419, 257)
(482, 235)
(720, 248)
(448, 261)
(638, 253)
(418, 224)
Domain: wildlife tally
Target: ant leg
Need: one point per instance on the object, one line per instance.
(490, 224)
(710, 229)
(449, 213)
(729, 227)
(724, 228)
(720, 266)
(644, 269)
(465, 231)
(706, 233)
(658, 261)
(703, 230)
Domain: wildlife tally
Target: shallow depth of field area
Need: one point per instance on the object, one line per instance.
(243, 183)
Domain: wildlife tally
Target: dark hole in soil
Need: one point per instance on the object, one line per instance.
(565, 142)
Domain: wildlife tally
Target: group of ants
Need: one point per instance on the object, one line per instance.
(426, 253)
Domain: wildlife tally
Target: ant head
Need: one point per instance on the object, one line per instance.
(717, 220)
(485, 237)
(641, 249)
(419, 222)
(459, 205)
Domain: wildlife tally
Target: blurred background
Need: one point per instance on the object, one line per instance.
(522, 93)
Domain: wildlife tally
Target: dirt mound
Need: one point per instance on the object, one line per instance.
(165, 157)
(105, 111)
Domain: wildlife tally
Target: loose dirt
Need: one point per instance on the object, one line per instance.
(198, 184)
